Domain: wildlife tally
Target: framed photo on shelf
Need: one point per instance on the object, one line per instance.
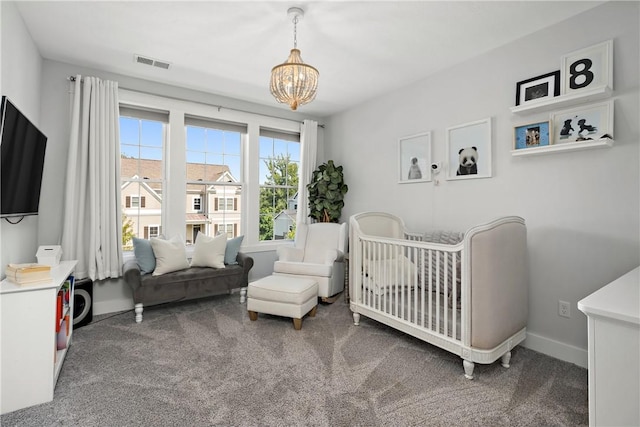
(585, 123)
(538, 88)
(469, 150)
(414, 158)
(531, 135)
(587, 68)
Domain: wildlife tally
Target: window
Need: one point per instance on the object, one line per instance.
(228, 229)
(151, 231)
(197, 204)
(279, 165)
(226, 204)
(214, 174)
(219, 173)
(134, 201)
(142, 137)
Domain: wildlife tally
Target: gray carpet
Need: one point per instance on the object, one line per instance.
(204, 363)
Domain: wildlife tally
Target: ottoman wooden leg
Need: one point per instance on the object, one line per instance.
(297, 324)
(253, 315)
(312, 313)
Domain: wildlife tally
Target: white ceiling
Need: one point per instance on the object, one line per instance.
(361, 48)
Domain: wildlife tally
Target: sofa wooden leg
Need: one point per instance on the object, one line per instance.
(297, 324)
(243, 295)
(138, 309)
(253, 315)
(312, 313)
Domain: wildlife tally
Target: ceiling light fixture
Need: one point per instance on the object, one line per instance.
(294, 82)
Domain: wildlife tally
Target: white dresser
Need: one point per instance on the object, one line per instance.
(613, 314)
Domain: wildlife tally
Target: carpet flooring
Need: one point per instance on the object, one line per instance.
(204, 363)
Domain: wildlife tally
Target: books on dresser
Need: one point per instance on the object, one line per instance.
(24, 274)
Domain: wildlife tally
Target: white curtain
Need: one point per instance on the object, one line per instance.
(308, 152)
(92, 228)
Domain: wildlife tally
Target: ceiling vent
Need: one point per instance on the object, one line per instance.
(153, 62)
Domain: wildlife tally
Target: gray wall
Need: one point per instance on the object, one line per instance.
(20, 77)
(581, 207)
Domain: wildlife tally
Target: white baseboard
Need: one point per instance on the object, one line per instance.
(111, 306)
(557, 349)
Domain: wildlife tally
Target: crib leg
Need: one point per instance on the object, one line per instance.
(468, 369)
(506, 358)
(356, 319)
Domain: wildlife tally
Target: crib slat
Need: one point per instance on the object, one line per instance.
(445, 302)
(423, 284)
(438, 284)
(454, 305)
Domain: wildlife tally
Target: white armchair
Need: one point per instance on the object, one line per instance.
(318, 253)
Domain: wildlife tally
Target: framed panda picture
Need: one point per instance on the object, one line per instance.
(469, 150)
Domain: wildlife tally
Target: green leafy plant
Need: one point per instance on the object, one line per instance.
(326, 193)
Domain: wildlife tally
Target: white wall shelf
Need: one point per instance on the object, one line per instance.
(562, 101)
(568, 146)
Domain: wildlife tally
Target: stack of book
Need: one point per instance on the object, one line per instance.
(25, 274)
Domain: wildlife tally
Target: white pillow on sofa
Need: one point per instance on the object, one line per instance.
(209, 251)
(171, 255)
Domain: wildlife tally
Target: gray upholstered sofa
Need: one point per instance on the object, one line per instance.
(190, 283)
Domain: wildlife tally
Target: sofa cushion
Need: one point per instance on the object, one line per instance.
(171, 255)
(209, 251)
(144, 255)
(232, 249)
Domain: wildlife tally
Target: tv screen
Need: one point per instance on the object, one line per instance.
(21, 162)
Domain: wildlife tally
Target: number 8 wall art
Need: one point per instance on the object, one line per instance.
(587, 68)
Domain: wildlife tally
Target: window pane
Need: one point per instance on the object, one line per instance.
(278, 188)
(141, 143)
(212, 175)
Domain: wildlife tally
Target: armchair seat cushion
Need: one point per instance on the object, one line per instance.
(303, 269)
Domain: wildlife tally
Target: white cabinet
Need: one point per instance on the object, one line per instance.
(613, 314)
(29, 360)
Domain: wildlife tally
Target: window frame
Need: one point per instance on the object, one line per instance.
(173, 213)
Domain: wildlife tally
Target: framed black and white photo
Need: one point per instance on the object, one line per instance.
(585, 123)
(469, 150)
(538, 88)
(587, 68)
(531, 135)
(414, 158)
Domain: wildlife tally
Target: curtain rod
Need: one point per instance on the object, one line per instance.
(73, 79)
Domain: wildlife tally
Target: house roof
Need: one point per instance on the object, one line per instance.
(152, 169)
(197, 219)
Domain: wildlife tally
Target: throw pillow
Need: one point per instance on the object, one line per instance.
(171, 255)
(209, 251)
(144, 255)
(231, 252)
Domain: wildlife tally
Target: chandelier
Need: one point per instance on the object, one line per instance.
(294, 82)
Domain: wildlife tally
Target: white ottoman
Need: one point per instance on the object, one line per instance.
(283, 296)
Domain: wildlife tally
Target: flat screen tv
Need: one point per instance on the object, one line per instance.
(22, 149)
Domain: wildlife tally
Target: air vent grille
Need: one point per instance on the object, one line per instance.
(152, 62)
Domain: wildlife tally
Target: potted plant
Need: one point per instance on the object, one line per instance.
(326, 193)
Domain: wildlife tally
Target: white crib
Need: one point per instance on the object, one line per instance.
(463, 292)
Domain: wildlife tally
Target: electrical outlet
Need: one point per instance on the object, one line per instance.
(564, 309)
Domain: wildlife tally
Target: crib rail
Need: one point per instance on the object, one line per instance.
(410, 280)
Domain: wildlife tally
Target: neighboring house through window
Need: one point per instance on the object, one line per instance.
(142, 140)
